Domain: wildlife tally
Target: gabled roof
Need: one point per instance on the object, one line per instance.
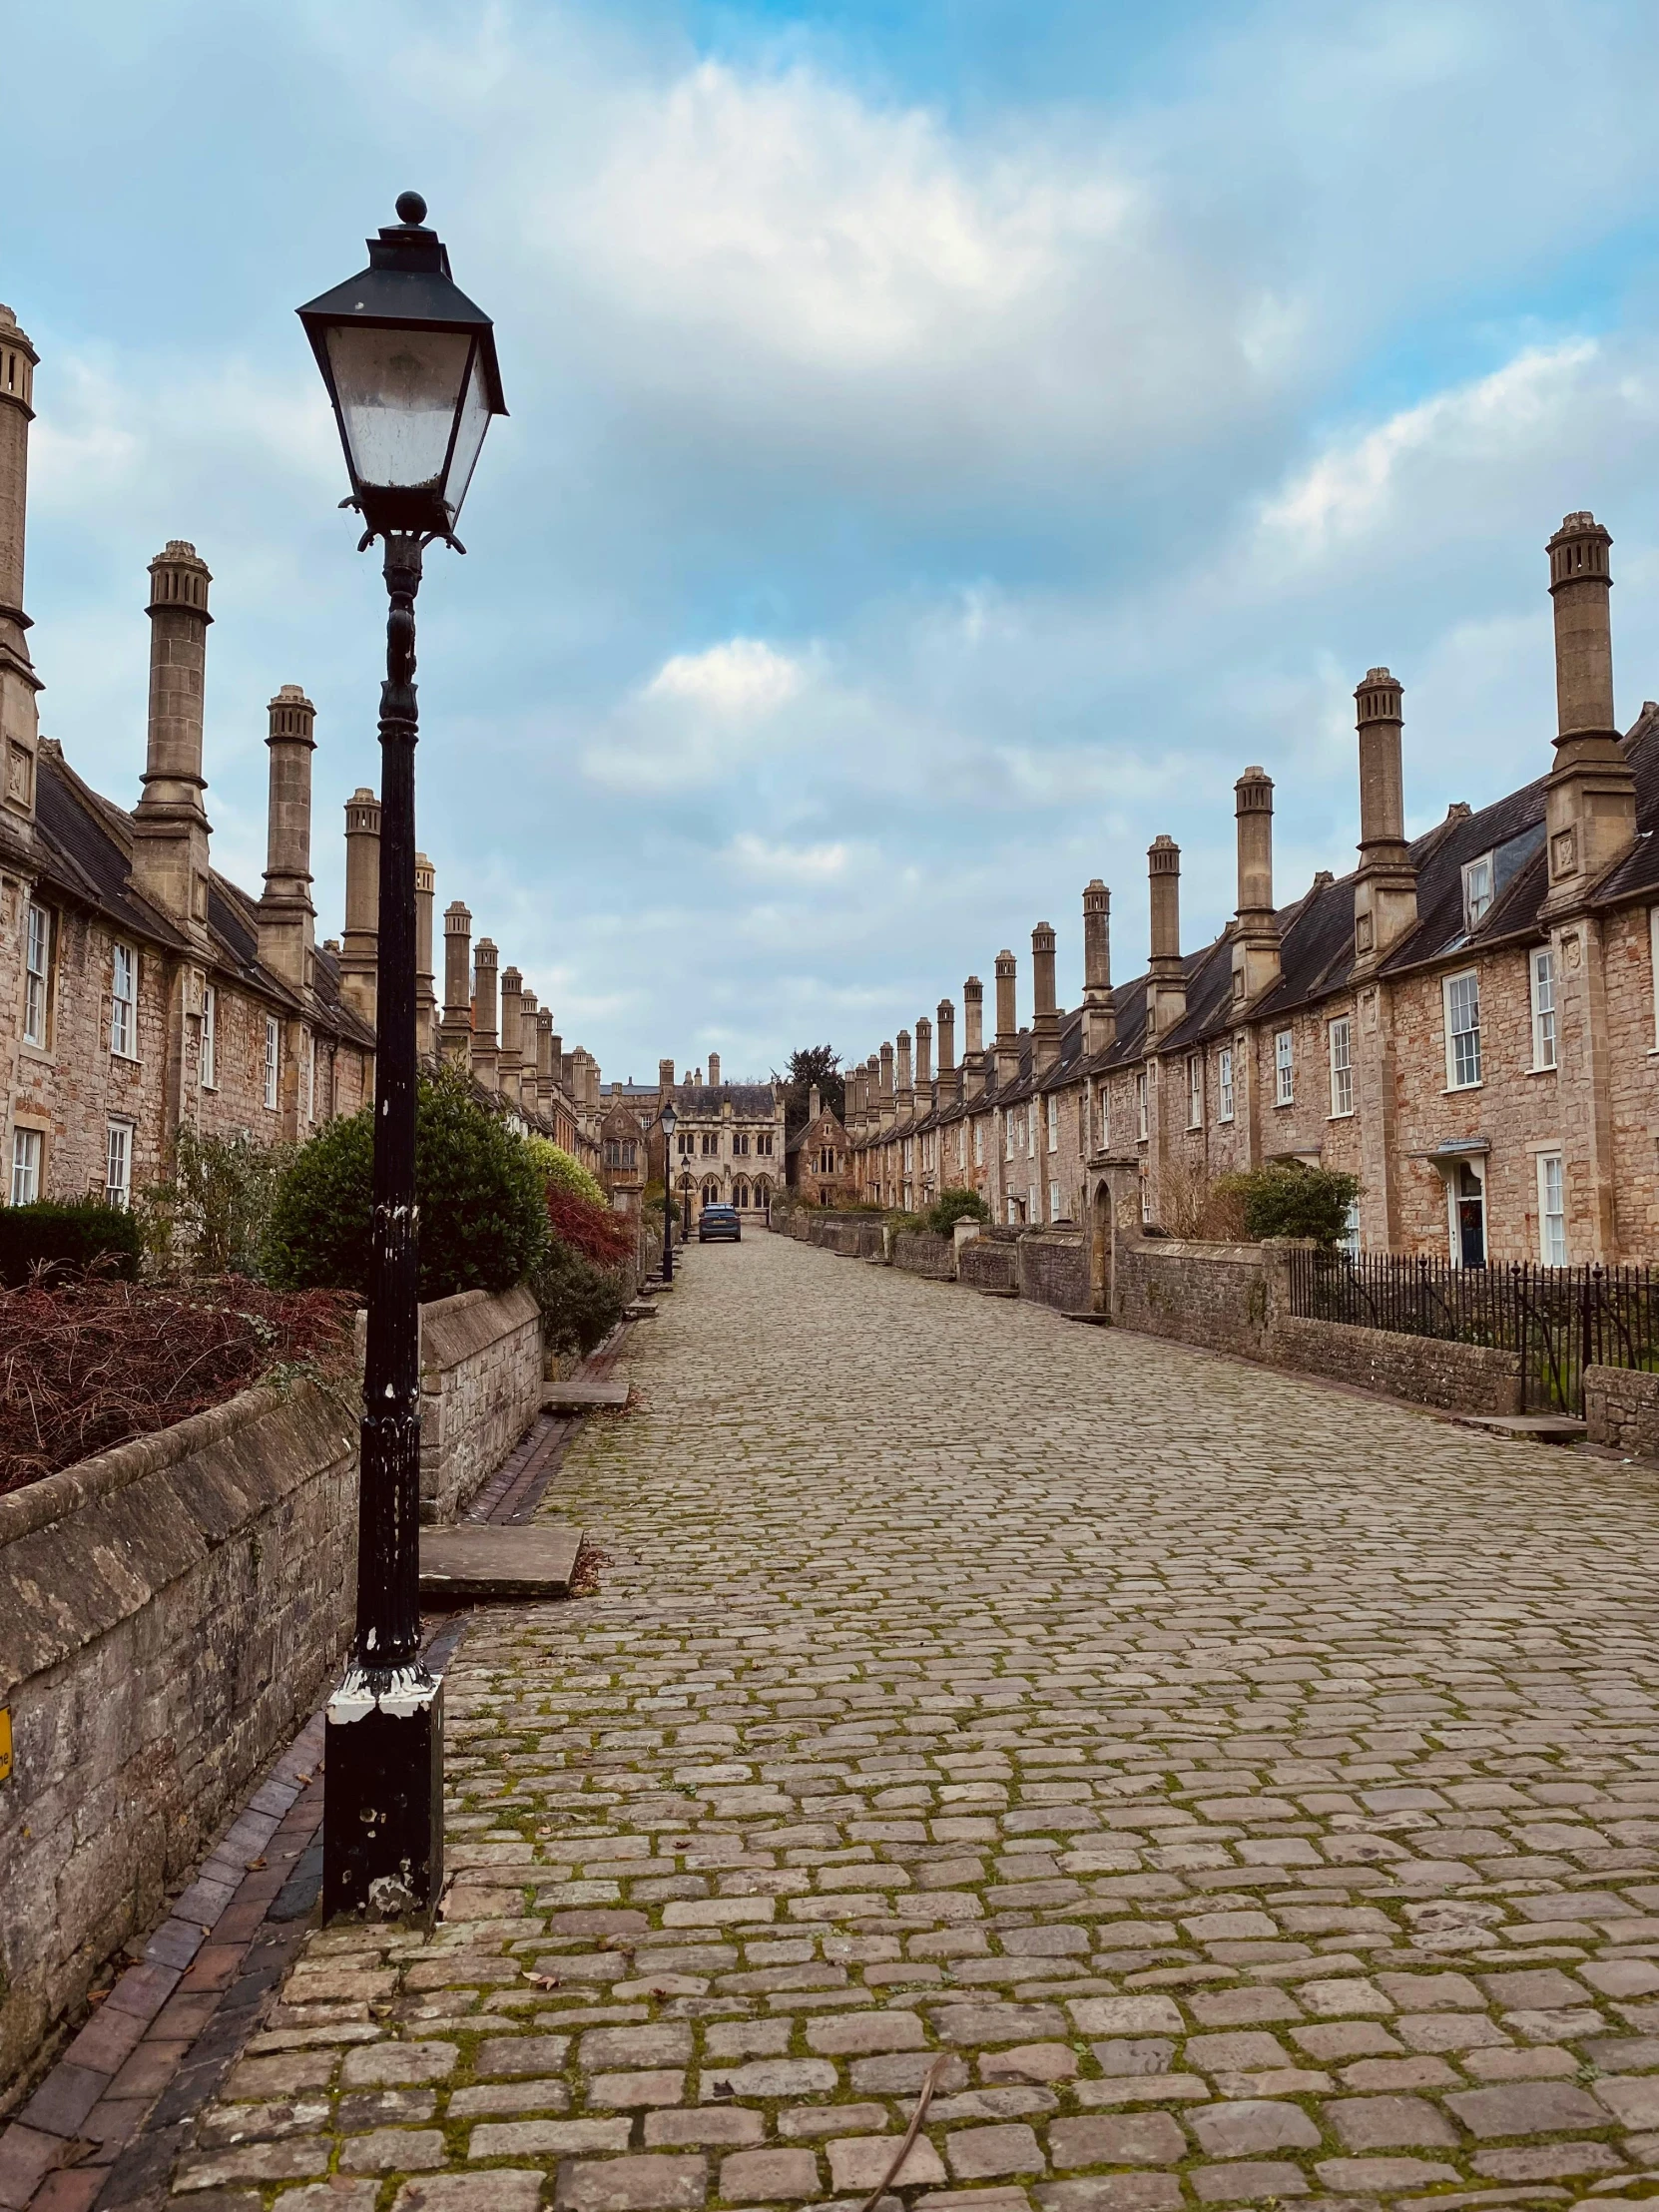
(704, 1101)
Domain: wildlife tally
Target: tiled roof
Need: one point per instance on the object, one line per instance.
(749, 1101)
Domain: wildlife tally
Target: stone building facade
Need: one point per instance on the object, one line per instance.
(140, 990)
(1467, 1020)
(819, 1158)
(728, 1146)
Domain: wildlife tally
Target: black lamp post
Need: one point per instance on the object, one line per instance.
(668, 1119)
(410, 367)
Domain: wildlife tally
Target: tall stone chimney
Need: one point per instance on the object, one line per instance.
(1256, 938)
(1166, 987)
(455, 1035)
(872, 1092)
(486, 1039)
(426, 996)
(546, 1061)
(360, 952)
(19, 717)
(665, 1080)
(1007, 1019)
(169, 821)
(1386, 888)
(286, 919)
(976, 1069)
(904, 1091)
(1045, 1016)
(889, 1112)
(510, 1061)
(950, 1075)
(527, 1075)
(1100, 1021)
(1590, 799)
(924, 1063)
(815, 1104)
(713, 1071)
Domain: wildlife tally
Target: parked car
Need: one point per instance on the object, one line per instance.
(719, 1221)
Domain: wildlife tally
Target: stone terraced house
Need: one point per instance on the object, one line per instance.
(1468, 1020)
(140, 989)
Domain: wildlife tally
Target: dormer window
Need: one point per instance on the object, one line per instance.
(1478, 889)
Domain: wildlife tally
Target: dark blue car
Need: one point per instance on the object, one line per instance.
(719, 1221)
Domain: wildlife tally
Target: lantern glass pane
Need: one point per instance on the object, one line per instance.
(469, 438)
(399, 391)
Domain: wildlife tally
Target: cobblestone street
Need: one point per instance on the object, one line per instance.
(1249, 1789)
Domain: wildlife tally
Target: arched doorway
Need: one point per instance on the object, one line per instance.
(1100, 1248)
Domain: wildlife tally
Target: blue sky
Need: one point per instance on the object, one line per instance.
(949, 442)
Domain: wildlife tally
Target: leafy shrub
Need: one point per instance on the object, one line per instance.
(71, 1236)
(1290, 1198)
(559, 1169)
(483, 1214)
(214, 1212)
(901, 1224)
(581, 1302)
(599, 1233)
(1190, 1203)
(950, 1207)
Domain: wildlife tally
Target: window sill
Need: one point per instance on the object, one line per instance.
(1555, 1070)
(1346, 1115)
(1282, 1105)
(1462, 1090)
(127, 1059)
(1224, 1121)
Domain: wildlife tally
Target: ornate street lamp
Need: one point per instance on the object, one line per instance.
(668, 1118)
(410, 367)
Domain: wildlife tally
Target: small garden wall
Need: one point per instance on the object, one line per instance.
(921, 1252)
(1621, 1410)
(480, 1389)
(1460, 1378)
(988, 1262)
(1215, 1294)
(1052, 1268)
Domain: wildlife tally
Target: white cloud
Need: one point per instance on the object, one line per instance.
(801, 863)
(702, 718)
(744, 677)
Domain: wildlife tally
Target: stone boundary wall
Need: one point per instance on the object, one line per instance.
(988, 1263)
(1460, 1378)
(1621, 1410)
(480, 1389)
(1214, 1295)
(1052, 1269)
(921, 1252)
(853, 1235)
(168, 1613)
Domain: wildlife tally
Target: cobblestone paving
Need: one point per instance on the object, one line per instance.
(1250, 1790)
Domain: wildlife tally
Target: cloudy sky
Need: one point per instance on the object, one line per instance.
(950, 440)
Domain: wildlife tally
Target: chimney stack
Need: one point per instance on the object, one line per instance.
(713, 1071)
(924, 1061)
(169, 821)
(1166, 989)
(665, 1078)
(888, 1110)
(1100, 1021)
(1386, 888)
(905, 1097)
(528, 1014)
(950, 1075)
(1256, 938)
(359, 959)
(426, 996)
(1007, 1029)
(1590, 799)
(510, 1062)
(544, 1057)
(973, 1035)
(486, 1039)
(19, 717)
(815, 1104)
(286, 918)
(1045, 1016)
(455, 1034)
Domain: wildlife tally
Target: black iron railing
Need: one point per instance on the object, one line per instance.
(1559, 1321)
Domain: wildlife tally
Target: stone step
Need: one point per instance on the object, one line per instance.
(998, 1293)
(476, 1562)
(637, 1312)
(582, 1393)
(1094, 1321)
(1543, 1428)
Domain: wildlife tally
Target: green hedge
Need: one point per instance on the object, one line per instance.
(74, 1236)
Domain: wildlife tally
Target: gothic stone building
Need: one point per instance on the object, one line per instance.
(819, 1158)
(728, 1142)
(1468, 1020)
(140, 989)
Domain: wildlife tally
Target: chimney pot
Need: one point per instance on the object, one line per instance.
(286, 918)
(360, 955)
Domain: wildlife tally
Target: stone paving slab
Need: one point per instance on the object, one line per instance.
(475, 1563)
(1250, 1792)
(581, 1396)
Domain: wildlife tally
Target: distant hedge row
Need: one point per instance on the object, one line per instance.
(72, 1236)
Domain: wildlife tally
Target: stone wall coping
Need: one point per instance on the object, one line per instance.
(455, 1329)
(1192, 1248)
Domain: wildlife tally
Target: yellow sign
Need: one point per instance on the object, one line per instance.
(5, 1744)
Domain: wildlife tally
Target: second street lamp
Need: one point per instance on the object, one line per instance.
(668, 1118)
(410, 367)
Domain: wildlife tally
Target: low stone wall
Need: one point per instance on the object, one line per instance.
(168, 1613)
(480, 1389)
(1621, 1410)
(1215, 1294)
(1053, 1267)
(988, 1263)
(1460, 1378)
(919, 1251)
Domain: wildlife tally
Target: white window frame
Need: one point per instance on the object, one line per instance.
(1054, 1201)
(1053, 1122)
(118, 1164)
(210, 1038)
(1478, 878)
(1224, 1083)
(979, 1144)
(1284, 1067)
(1195, 1090)
(1553, 1218)
(961, 1146)
(1349, 1241)
(308, 1069)
(123, 1001)
(1007, 1132)
(1339, 1033)
(1540, 968)
(28, 1151)
(1462, 988)
(272, 1062)
(37, 967)
(1140, 1106)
